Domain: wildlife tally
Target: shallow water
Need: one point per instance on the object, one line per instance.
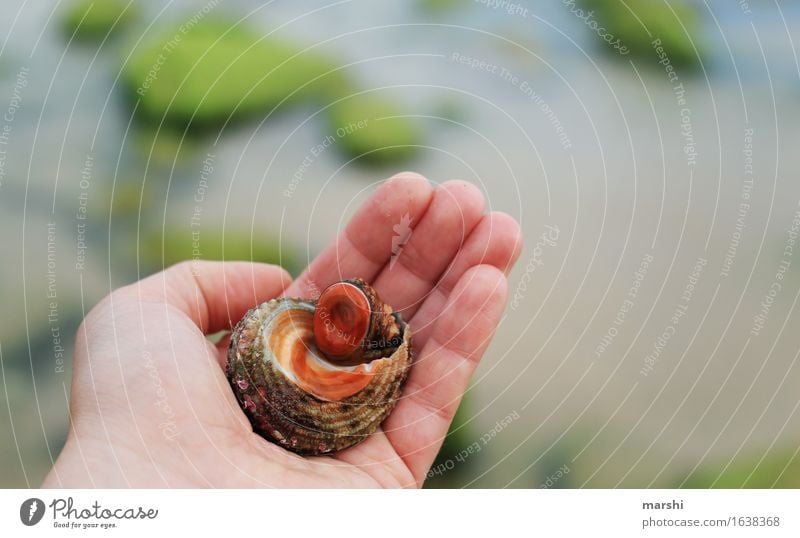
(614, 179)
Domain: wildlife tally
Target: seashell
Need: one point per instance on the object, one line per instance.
(316, 377)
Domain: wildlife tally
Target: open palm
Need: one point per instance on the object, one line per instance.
(150, 403)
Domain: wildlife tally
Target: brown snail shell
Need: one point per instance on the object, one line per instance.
(303, 399)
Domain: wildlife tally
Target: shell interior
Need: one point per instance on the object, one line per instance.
(288, 337)
(294, 396)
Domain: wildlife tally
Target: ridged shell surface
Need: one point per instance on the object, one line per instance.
(296, 398)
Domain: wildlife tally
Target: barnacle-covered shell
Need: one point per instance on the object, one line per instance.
(302, 400)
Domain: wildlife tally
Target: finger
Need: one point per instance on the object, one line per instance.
(222, 350)
(214, 295)
(415, 267)
(439, 377)
(496, 241)
(365, 245)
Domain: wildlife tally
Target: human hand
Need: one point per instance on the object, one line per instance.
(151, 405)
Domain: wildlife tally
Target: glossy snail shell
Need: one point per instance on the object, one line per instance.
(304, 400)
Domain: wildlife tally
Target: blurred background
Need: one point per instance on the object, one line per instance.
(648, 148)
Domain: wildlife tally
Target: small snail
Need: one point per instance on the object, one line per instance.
(316, 377)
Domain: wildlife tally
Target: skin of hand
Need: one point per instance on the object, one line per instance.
(151, 406)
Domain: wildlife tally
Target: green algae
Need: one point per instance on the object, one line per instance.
(92, 20)
(637, 24)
